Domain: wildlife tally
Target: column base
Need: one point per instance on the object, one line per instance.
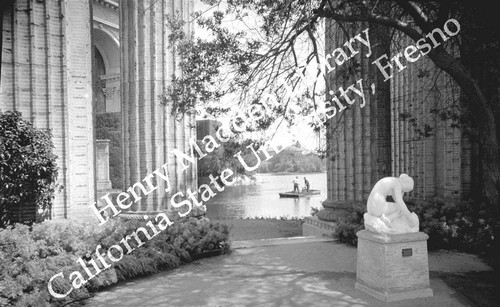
(333, 210)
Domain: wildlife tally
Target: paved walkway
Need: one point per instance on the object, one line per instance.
(277, 272)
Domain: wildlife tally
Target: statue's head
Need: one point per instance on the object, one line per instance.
(406, 182)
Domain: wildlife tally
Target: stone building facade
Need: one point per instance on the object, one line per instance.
(398, 131)
(49, 49)
(425, 145)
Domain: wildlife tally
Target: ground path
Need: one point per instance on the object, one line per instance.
(279, 272)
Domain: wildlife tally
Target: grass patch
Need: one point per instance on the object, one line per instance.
(477, 287)
(262, 228)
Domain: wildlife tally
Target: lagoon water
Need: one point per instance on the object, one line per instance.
(262, 199)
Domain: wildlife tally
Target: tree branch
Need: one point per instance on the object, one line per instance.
(375, 18)
(418, 15)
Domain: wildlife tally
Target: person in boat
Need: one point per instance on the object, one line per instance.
(296, 185)
(306, 182)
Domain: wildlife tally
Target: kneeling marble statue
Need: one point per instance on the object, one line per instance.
(390, 217)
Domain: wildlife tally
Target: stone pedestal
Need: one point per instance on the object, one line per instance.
(103, 182)
(393, 267)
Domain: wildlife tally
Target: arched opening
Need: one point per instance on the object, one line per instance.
(107, 106)
(106, 70)
(99, 84)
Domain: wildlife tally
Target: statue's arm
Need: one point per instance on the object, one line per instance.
(398, 198)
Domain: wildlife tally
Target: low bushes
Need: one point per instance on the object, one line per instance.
(30, 257)
(462, 226)
(350, 222)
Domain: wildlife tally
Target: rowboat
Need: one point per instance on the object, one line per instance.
(304, 193)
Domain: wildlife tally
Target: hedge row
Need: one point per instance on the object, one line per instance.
(29, 257)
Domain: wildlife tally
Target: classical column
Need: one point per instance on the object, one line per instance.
(359, 139)
(46, 75)
(426, 146)
(150, 130)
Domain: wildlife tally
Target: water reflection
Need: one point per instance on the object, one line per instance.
(262, 199)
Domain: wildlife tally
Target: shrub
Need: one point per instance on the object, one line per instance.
(29, 257)
(464, 225)
(28, 169)
(349, 223)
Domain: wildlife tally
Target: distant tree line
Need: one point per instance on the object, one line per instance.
(293, 160)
